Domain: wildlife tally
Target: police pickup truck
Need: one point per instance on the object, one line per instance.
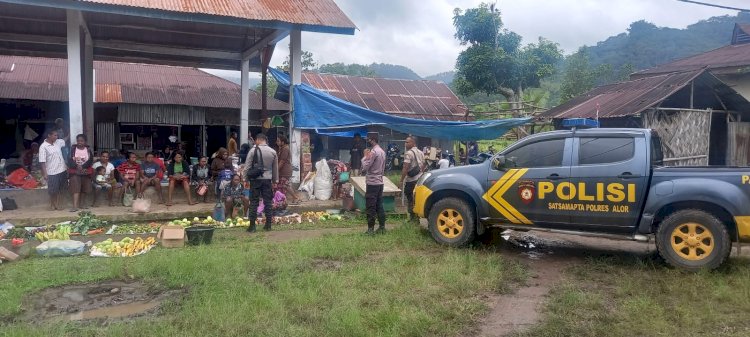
(595, 182)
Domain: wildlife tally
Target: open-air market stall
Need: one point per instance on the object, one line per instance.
(321, 112)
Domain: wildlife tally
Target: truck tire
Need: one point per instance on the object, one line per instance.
(692, 239)
(451, 222)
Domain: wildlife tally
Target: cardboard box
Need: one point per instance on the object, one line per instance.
(172, 236)
(7, 255)
(306, 158)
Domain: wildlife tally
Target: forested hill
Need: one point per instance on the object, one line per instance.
(645, 45)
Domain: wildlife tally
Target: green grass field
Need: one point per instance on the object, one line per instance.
(620, 296)
(397, 284)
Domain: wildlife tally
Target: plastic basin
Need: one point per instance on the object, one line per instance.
(199, 235)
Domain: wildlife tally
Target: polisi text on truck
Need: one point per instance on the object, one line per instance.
(601, 192)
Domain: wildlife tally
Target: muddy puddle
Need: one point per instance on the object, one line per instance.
(105, 301)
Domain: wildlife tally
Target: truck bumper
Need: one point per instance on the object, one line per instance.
(421, 193)
(743, 227)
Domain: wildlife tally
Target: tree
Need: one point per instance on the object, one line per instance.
(580, 76)
(272, 85)
(495, 62)
(347, 69)
(308, 62)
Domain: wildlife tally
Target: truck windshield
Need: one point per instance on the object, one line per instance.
(657, 155)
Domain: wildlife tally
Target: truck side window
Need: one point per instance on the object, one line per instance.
(605, 150)
(546, 153)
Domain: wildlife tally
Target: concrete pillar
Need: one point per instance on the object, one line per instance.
(295, 71)
(75, 73)
(88, 93)
(245, 105)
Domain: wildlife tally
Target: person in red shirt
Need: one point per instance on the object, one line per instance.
(130, 172)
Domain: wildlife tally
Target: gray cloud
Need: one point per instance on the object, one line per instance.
(419, 34)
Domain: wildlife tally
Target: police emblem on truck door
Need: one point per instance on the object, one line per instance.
(526, 191)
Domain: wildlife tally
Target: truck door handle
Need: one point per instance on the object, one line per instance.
(628, 175)
(555, 176)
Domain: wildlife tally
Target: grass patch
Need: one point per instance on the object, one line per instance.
(398, 284)
(619, 296)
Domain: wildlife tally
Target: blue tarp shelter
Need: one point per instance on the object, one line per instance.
(315, 109)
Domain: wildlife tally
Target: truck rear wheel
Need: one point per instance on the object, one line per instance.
(451, 222)
(692, 240)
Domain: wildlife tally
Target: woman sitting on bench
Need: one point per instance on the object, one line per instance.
(178, 172)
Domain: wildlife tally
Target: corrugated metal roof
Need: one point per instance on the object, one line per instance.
(46, 79)
(741, 34)
(736, 55)
(624, 98)
(304, 12)
(421, 99)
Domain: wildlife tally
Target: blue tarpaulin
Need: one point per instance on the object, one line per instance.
(347, 133)
(314, 109)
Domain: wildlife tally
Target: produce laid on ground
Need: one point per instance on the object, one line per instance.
(320, 216)
(123, 248)
(88, 224)
(61, 232)
(130, 229)
(17, 233)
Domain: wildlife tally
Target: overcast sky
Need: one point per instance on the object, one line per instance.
(419, 33)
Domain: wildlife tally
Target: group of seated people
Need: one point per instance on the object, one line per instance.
(221, 175)
(135, 176)
(132, 175)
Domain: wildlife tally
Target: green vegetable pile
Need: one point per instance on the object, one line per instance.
(87, 221)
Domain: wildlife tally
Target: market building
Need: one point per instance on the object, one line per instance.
(137, 107)
(230, 34)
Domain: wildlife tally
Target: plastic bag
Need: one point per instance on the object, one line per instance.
(219, 214)
(141, 205)
(323, 181)
(308, 185)
(127, 199)
(61, 248)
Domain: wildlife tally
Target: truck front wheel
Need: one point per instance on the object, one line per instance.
(692, 239)
(451, 222)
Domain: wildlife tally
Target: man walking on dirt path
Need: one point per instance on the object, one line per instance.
(412, 171)
(373, 166)
(262, 187)
(53, 167)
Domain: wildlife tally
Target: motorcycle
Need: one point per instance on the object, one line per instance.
(433, 164)
(392, 157)
(480, 158)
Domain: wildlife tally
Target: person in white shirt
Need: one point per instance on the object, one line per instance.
(443, 162)
(53, 166)
(109, 175)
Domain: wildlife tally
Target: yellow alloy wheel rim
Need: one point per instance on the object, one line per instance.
(450, 223)
(692, 241)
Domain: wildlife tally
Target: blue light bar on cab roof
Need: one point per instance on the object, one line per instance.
(580, 123)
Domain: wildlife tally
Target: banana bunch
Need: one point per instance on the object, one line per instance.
(125, 247)
(138, 245)
(61, 233)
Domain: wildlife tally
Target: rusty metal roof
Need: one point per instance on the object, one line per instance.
(719, 60)
(741, 34)
(323, 13)
(429, 100)
(45, 79)
(624, 98)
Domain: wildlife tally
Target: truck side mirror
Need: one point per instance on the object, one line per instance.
(498, 163)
